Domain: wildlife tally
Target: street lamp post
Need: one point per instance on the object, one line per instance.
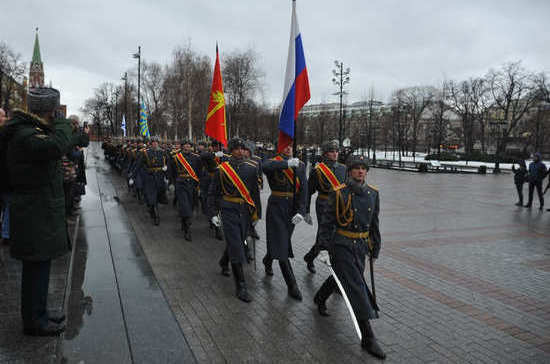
(116, 112)
(340, 79)
(125, 79)
(138, 56)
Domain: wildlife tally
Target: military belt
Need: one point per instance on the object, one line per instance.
(323, 196)
(233, 199)
(353, 234)
(184, 175)
(211, 174)
(156, 169)
(281, 194)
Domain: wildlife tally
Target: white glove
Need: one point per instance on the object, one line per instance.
(297, 219)
(171, 188)
(164, 168)
(255, 222)
(308, 219)
(166, 181)
(131, 182)
(219, 154)
(216, 221)
(324, 257)
(293, 162)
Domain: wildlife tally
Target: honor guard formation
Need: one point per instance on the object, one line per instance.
(227, 184)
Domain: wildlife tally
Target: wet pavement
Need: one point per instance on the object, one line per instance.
(463, 276)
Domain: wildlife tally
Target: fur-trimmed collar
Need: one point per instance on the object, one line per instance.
(28, 117)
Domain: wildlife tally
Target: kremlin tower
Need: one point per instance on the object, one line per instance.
(36, 69)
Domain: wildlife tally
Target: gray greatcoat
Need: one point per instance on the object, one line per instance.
(280, 210)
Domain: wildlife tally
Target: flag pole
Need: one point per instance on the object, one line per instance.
(294, 204)
(294, 143)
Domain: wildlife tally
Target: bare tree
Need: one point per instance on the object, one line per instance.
(465, 99)
(152, 76)
(514, 93)
(12, 70)
(440, 122)
(242, 80)
(415, 100)
(186, 89)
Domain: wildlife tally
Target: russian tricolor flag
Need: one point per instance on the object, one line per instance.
(296, 91)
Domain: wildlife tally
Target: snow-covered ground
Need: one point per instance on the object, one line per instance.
(380, 155)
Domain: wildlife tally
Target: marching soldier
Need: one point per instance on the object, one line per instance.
(350, 230)
(184, 165)
(327, 175)
(285, 209)
(211, 159)
(204, 178)
(234, 193)
(249, 155)
(152, 162)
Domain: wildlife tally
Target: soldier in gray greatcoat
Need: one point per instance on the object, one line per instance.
(350, 230)
(186, 182)
(285, 209)
(236, 207)
(152, 164)
(319, 182)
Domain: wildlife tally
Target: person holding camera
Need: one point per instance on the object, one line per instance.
(35, 141)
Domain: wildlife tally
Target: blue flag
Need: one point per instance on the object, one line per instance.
(143, 128)
(123, 125)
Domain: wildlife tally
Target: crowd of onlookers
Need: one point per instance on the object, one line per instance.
(534, 176)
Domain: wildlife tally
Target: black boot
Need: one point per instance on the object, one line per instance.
(247, 254)
(368, 342)
(310, 257)
(240, 284)
(219, 234)
(50, 329)
(323, 294)
(186, 225)
(156, 217)
(253, 233)
(224, 264)
(56, 316)
(268, 264)
(288, 275)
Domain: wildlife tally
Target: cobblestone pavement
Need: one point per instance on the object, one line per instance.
(462, 277)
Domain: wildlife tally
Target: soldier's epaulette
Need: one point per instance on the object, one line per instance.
(373, 187)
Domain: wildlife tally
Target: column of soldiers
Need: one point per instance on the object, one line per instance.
(228, 187)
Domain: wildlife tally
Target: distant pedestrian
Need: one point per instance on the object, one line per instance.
(537, 173)
(520, 177)
(4, 195)
(548, 185)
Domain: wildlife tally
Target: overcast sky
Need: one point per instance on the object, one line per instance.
(387, 43)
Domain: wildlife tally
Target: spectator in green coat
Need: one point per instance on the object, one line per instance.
(35, 141)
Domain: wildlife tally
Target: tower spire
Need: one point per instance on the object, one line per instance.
(36, 53)
(36, 69)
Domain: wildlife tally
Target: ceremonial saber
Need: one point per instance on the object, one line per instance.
(346, 300)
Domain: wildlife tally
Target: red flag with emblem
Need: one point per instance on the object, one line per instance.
(216, 126)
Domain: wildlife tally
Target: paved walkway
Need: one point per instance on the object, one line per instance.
(462, 277)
